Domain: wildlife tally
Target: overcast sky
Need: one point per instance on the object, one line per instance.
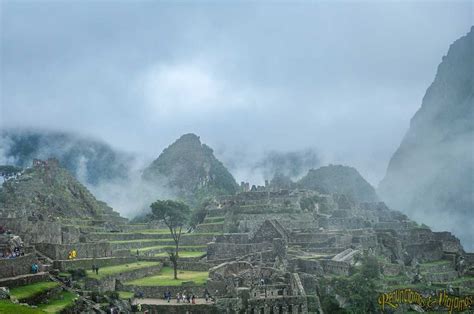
(343, 78)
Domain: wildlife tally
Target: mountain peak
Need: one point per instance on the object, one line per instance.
(191, 169)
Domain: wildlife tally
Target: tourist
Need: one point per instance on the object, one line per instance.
(206, 295)
(193, 298)
(178, 297)
(97, 270)
(34, 268)
(93, 268)
(74, 254)
(69, 256)
(168, 296)
(188, 298)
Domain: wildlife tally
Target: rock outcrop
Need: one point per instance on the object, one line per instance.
(431, 175)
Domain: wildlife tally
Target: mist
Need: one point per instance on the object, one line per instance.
(271, 87)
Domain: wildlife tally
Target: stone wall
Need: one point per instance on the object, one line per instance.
(426, 252)
(157, 292)
(11, 267)
(217, 251)
(87, 263)
(84, 250)
(23, 280)
(308, 266)
(38, 231)
(182, 309)
(335, 267)
(450, 243)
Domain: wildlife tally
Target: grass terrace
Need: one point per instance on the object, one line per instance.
(125, 295)
(183, 254)
(168, 247)
(56, 305)
(28, 291)
(142, 240)
(165, 278)
(220, 219)
(117, 269)
(6, 306)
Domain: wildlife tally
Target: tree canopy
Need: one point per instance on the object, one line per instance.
(174, 214)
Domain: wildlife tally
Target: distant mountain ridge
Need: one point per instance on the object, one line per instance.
(89, 160)
(431, 175)
(191, 169)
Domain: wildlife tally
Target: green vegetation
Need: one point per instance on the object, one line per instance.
(29, 291)
(152, 231)
(183, 254)
(185, 165)
(165, 278)
(141, 240)
(215, 219)
(111, 270)
(360, 289)
(6, 306)
(125, 295)
(56, 305)
(168, 247)
(175, 216)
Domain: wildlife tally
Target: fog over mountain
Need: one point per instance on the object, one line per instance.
(431, 175)
(270, 87)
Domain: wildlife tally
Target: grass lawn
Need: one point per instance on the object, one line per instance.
(212, 223)
(183, 254)
(110, 270)
(58, 304)
(7, 306)
(165, 278)
(152, 231)
(28, 291)
(125, 295)
(167, 247)
(214, 219)
(142, 240)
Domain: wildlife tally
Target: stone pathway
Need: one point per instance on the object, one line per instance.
(164, 302)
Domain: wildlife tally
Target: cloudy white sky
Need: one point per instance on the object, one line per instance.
(343, 78)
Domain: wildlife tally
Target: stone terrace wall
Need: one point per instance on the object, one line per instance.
(158, 291)
(182, 309)
(216, 251)
(84, 250)
(11, 267)
(34, 231)
(87, 263)
(427, 252)
(23, 280)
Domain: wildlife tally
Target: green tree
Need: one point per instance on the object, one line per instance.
(175, 215)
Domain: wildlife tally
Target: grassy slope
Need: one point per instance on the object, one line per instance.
(7, 307)
(165, 278)
(58, 304)
(28, 291)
